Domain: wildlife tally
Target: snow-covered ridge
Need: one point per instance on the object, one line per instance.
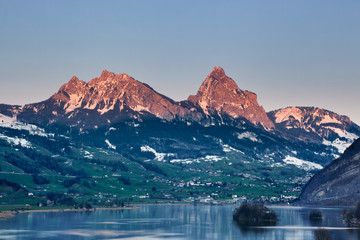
(284, 114)
(324, 123)
(8, 122)
(319, 116)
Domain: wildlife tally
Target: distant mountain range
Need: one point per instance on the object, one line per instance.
(113, 98)
(222, 128)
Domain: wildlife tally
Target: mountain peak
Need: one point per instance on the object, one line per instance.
(106, 74)
(74, 86)
(74, 79)
(217, 85)
(219, 95)
(218, 73)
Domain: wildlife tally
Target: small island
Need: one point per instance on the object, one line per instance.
(352, 217)
(315, 215)
(253, 214)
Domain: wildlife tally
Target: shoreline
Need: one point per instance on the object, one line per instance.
(10, 214)
(7, 214)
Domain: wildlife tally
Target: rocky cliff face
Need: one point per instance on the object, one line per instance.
(220, 96)
(338, 183)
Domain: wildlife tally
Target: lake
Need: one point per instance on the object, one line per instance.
(152, 222)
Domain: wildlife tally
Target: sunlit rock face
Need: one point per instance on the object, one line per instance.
(220, 119)
(119, 92)
(338, 183)
(115, 97)
(220, 96)
(104, 100)
(316, 125)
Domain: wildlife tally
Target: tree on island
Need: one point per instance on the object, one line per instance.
(252, 214)
(315, 215)
(352, 218)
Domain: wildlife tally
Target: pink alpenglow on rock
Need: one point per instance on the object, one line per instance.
(219, 95)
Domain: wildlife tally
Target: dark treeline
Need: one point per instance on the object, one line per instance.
(115, 165)
(124, 180)
(38, 179)
(14, 186)
(147, 165)
(55, 145)
(39, 161)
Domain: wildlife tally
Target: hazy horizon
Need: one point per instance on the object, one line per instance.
(288, 53)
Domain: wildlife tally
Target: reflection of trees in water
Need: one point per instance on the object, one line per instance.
(251, 228)
(352, 219)
(316, 223)
(354, 232)
(322, 234)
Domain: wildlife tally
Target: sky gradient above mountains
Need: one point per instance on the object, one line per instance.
(298, 53)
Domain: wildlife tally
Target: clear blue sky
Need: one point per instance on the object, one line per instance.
(291, 53)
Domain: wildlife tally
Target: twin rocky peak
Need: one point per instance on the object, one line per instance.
(118, 96)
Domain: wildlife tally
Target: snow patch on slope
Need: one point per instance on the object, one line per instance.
(87, 154)
(343, 133)
(228, 148)
(158, 156)
(306, 165)
(212, 158)
(8, 122)
(16, 141)
(249, 135)
(106, 109)
(340, 145)
(73, 103)
(110, 145)
(207, 158)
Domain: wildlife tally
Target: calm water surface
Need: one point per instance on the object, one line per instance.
(170, 222)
